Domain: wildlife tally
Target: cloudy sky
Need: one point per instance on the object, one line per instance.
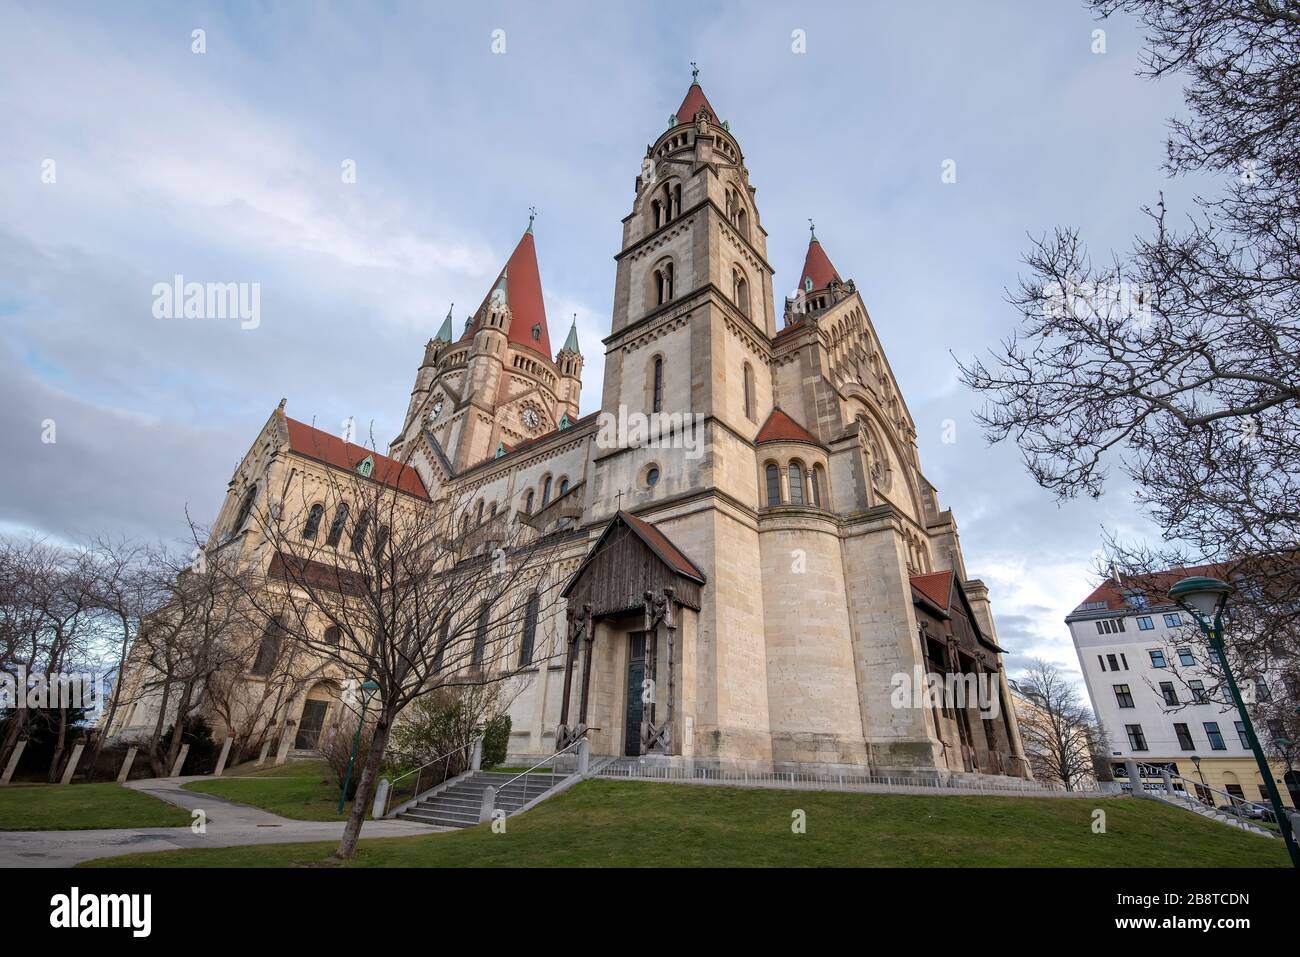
(226, 166)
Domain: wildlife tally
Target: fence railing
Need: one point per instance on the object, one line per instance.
(534, 779)
(406, 786)
(1196, 790)
(823, 781)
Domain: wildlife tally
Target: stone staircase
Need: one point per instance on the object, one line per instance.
(1214, 814)
(458, 804)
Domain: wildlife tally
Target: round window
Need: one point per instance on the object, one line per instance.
(652, 476)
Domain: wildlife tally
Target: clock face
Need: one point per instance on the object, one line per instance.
(530, 418)
(436, 409)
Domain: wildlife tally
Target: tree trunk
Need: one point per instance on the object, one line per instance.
(365, 791)
(183, 708)
(60, 745)
(155, 762)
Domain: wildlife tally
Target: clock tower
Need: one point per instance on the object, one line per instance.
(497, 385)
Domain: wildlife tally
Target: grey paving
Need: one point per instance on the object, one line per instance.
(228, 825)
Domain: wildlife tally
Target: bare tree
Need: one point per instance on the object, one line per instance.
(398, 592)
(1058, 732)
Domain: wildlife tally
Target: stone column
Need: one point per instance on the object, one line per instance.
(71, 769)
(476, 754)
(180, 760)
(1135, 778)
(266, 747)
(225, 753)
(129, 760)
(286, 742)
(584, 756)
(14, 758)
(488, 804)
(381, 799)
(1168, 780)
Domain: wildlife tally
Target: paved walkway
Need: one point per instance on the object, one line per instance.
(228, 824)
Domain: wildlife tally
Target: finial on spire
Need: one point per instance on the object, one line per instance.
(695, 74)
(280, 407)
(532, 214)
(812, 228)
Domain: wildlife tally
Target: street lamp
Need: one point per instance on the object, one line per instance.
(368, 688)
(1205, 599)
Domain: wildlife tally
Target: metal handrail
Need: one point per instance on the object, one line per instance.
(552, 757)
(392, 785)
(1154, 771)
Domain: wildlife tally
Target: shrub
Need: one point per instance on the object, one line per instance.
(496, 740)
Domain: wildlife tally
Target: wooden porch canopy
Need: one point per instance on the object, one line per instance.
(630, 558)
(632, 567)
(937, 592)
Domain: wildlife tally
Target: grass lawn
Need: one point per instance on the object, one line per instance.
(635, 824)
(67, 807)
(297, 790)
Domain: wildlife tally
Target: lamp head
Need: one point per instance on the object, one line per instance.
(1203, 597)
(1196, 760)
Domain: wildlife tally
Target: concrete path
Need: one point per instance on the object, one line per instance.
(228, 824)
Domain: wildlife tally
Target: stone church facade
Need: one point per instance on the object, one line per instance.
(772, 557)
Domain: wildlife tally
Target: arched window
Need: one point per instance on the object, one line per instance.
(657, 213)
(268, 652)
(528, 638)
(664, 279)
(359, 533)
(528, 503)
(245, 509)
(749, 391)
(546, 491)
(564, 486)
(480, 636)
(478, 513)
(796, 482)
(312, 526)
(492, 511)
(381, 540)
(332, 635)
(336, 526)
(657, 405)
(742, 223)
(740, 291)
(444, 637)
(773, 484)
(676, 201)
(818, 478)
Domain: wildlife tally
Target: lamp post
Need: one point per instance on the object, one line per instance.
(1205, 599)
(368, 688)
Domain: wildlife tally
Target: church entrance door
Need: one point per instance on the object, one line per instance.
(635, 707)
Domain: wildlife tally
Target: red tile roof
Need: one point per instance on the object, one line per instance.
(317, 444)
(662, 547)
(524, 294)
(1154, 586)
(779, 427)
(695, 101)
(817, 267)
(936, 587)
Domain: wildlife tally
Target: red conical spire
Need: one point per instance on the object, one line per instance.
(817, 267)
(523, 283)
(695, 101)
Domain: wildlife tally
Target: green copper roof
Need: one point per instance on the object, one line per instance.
(444, 334)
(571, 343)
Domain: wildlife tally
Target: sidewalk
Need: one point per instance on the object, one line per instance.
(228, 824)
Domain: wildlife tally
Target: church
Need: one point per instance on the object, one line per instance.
(767, 554)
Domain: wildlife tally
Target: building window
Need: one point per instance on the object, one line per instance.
(528, 503)
(1101, 661)
(749, 391)
(1216, 739)
(1241, 735)
(796, 482)
(664, 280)
(444, 637)
(478, 513)
(1110, 626)
(336, 526)
(381, 540)
(740, 291)
(1197, 687)
(1123, 660)
(480, 636)
(1114, 662)
(1145, 623)
(1136, 601)
(817, 479)
(652, 476)
(546, 491)
(773, 484)
(1137, 741)
(1157, 658)
(657, 403)
(312, 526)
(564, 486)
(245, 510)
(268, 652)
(1174, 620)
(1185, 657)
(530, 631)
(1124, 696)
(359, 533)
(1167, 690)
(332, 635)
(1184, 737)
